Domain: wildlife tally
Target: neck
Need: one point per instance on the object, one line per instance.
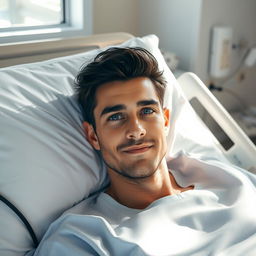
(139, 193)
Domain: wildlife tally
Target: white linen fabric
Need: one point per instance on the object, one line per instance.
(47, 166)
(216, 218)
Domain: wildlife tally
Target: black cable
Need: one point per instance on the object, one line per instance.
(213, 87)
(22, 218)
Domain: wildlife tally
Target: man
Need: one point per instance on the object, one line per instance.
(128, 125)
(192, 209)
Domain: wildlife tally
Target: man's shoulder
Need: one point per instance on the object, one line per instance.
(83, 206)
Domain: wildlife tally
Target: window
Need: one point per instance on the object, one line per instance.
(29, 13)
(23, 20)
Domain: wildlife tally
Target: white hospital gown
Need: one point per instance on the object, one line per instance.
(218, 217)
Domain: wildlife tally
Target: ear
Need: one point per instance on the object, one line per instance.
(91, 136)
(166, 118)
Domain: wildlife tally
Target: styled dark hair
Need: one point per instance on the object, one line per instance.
(116, 64)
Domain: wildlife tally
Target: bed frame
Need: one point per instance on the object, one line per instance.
(242, 153)
(26, 52)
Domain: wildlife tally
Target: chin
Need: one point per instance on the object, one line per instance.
(137, 172)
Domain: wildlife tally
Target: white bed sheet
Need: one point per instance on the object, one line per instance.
(215, 218)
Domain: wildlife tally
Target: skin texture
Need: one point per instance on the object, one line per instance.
(131, 129)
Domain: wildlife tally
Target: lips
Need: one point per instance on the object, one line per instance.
(137, 149)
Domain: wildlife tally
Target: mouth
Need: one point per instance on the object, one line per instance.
(138, 149)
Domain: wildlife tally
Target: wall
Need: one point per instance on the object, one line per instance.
(185, 29)
(115, 16)
(176, 24)
(241, 16)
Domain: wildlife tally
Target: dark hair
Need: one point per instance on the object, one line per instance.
(116, 64)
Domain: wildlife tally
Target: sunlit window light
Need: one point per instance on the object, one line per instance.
(27, 13)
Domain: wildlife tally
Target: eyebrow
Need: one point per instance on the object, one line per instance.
(147, 102)
(114, 108)
(119, 107)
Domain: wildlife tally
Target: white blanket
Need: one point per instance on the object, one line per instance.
(218, 217)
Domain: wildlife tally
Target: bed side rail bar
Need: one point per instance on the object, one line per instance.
(243, 152)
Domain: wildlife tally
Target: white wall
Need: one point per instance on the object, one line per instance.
(176, 25)
(161, 17)
(185, 29)
(115, 16)
(241, 16)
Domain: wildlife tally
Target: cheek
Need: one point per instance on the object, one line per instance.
(110, 138)
(156, 125)
(158, 130)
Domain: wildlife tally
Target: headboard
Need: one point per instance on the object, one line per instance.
(26, 52)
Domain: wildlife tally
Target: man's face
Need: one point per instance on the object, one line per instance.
(130, 127)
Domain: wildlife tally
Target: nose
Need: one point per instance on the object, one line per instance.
(135, 130)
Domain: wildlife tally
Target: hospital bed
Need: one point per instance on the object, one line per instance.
(47, 166)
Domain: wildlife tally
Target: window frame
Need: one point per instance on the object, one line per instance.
(78, 22)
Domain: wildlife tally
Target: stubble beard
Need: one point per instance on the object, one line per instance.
(133, 171)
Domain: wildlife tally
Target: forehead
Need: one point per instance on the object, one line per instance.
(125, 92)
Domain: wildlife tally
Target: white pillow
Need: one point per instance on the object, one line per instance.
(47, 165)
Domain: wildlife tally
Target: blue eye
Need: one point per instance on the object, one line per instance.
(116, 117)
(147, 111)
